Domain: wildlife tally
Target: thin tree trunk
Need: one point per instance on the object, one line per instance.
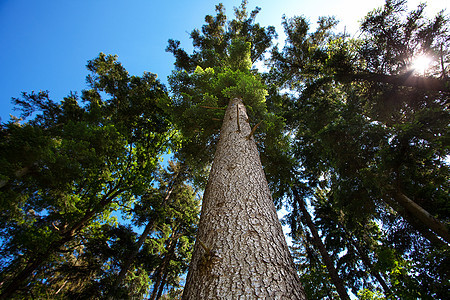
(162, 271)
(420, 227)
(161, 287)
(424, 216)
(414, 222)
(18, 280)
(156, 285)
(159, 276)
(240, 249)
(126, 266)
(337, 281)
(311, 251)
(131, 257)
(366, 261)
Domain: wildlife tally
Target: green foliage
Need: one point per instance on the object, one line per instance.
(66, 168)
(212, 42)
(312, 272)
(220, 70)
(369, 295)
(239, 55)
(394, 37)
(171, 210)
(357, 143)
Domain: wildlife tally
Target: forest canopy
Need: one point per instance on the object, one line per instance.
(100, 192)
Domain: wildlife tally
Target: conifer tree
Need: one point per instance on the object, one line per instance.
(66, 168)
(240, 249)
(371, 132)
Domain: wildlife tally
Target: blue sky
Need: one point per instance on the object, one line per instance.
(45, 45)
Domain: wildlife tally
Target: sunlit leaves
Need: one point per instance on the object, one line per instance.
(358, 141)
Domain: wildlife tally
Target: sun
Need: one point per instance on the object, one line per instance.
(421, 63)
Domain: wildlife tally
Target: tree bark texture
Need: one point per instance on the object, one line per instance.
(240, 251)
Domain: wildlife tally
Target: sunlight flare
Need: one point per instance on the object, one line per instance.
(421, 63)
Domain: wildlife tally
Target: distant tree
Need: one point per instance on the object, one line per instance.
(317, 242)
(148, 262)
(312, 271)
(170, 212)
(372, 133)
(67, 167)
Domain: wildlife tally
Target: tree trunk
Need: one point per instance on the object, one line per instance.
(162, 271)
(366, 260)
(148, 228)
(424, 216)
(240, 249)
(130, 259)
(337, 281)
(161, 286)
(158, 276)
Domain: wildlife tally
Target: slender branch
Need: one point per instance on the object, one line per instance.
(211, 107)
(425, 83)
(207, 250)
(253, 130)
(237, 118)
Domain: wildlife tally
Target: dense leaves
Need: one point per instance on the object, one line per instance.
(66, 168)
(219, 69)
(374, 149)
(350, 125)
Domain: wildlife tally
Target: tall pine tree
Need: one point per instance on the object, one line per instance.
(240, 248)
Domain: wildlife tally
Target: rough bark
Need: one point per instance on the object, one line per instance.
(240, 251)
(337, 281)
